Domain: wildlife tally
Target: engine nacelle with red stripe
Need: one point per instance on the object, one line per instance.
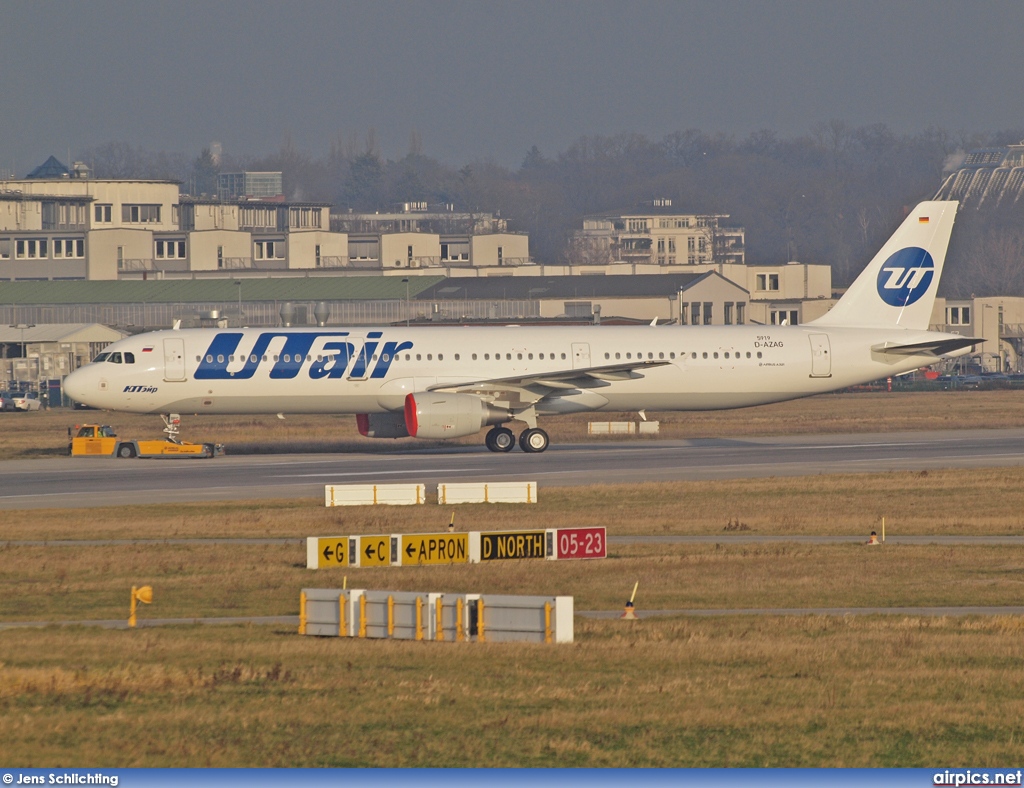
(430, 415)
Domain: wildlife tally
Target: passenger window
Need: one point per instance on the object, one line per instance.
(727, 355)
(705, 354)
(372, 358)
(650, 355)
(386, 358)
(519, 356)
(199, 358)
(672, 355)
(487, 356)
(276, 358)
(607, 355)
(661, 355)
(287, 358)
(220, 359)
(474, 356)
(541, 356)
(563, 357)
(693, 355)
(530, 357)
(407, 357)
(440, 357)
(252, 358)
(629, 355)
(759, 354)
(748, 354)
(618, 355)
(716, 355)
(419, 357)
(129, 358)
(264, 356)
(508, 356)
(430, 356)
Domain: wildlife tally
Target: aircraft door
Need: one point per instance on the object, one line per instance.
(821, 357)
(580, 355)
(174, 359)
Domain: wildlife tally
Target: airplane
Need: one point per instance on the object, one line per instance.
(450, 382)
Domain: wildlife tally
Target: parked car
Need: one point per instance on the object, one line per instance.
(27, 401)
(6, 401)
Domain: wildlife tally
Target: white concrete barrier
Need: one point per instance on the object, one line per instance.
(413, 615)
(369, 494)
(623, 427)
(487, 492)
(611, 427)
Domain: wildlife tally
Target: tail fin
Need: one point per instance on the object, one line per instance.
(897, 289)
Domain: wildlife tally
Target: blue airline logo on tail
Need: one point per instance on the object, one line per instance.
(333, 358)
(906, 276)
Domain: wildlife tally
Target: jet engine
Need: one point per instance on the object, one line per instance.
(429, 415)
(381, 425)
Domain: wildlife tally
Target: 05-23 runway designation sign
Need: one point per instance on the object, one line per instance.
(581, 543)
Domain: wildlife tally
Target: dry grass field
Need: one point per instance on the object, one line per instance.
(744, 691)
(675, 691)
(44, 434)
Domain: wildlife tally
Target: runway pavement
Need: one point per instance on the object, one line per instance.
(82, 482)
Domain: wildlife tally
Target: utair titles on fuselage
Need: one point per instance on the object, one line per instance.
(448, 382)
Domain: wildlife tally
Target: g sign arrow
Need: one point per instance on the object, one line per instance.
(328, 552)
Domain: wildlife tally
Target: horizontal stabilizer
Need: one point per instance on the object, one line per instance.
(931, 347)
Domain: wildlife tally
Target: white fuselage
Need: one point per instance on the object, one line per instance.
(371, 370)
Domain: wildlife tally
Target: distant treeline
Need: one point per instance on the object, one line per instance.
(832, 196)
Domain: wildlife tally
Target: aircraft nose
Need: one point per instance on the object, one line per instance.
(75, 386)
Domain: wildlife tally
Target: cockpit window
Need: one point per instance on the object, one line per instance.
(129, 358)
(115, 358)
(101, 357)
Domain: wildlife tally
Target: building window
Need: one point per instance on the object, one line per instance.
(5, 248)
(785, 317)
(269, 250)
(741, 313)
(579, 309)
(727, 314)
(317, 252)
(958, 315)
(767, 281)
(707, 313)
(170, 250)
(68, 248)
(140, 214)
(30, 248)
(695, 314)
(102, 213)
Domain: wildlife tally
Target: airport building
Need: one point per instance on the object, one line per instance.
(987, 177)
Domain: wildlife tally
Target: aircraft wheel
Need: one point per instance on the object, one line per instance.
(500, 439)
(126, 451)
(533, 441)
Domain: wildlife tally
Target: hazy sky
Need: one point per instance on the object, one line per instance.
(486, 80)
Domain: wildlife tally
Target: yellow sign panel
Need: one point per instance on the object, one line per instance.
(374, 551)
(332, 551)
(417, 549)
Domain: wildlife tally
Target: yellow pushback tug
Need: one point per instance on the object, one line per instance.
(94, 440)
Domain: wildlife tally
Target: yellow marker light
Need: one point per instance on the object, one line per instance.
(144, 595)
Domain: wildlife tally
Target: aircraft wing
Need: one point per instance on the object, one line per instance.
(528, 389)
(931, 347)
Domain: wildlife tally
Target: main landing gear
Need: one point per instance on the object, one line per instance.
(501, 439)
